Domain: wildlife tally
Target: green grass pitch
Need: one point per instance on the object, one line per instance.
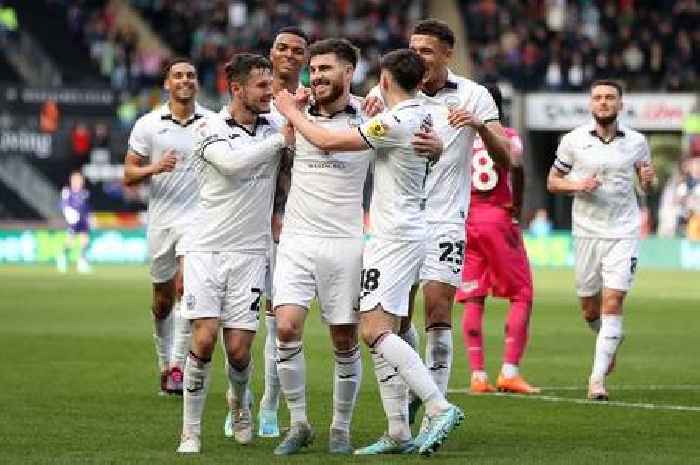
(78, 381)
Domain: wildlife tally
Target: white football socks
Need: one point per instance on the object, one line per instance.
(291, 369)
(196, 385)
(394, 394)
(347, 380)
(438, 355)
(606, 345)
(406, 361)
(411, 337)
(162, 336)
(182, 333)
(238, 381)
(271, 394)
(508, 370)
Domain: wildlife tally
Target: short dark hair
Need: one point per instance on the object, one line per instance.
(341, 48)
(168, 65)
(436, 28)
(297, 31)
(495, 92)
(607, 82)
(241, 64)
(406, 67)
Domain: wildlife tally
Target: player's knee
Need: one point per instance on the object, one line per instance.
(203, 343)
(239, 356)
(288, 330)
(369, 334)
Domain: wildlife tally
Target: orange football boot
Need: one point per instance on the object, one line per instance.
(480, 386)
(516, 385)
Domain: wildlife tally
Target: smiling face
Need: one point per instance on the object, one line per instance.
(255, 93)
(435, 54)
(605, 104)
(329, 77)
(181, 82)
(288, 55)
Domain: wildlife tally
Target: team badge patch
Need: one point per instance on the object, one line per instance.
(376, 128)
(452, 101)
(190, 301)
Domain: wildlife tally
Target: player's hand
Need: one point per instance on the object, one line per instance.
(288, 132)
(461, 118)
(372, 106)
(302, 96)
(647, 174)
(167, 163)
(285, 102)
(427, 144)
(588, 185)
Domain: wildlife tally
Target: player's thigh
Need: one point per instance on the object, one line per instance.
(203, 286)
(245, 281)
(293, 281)
(237, 344)
(338, 272)
(475, 271)
(509, 268)
(389, 270)
(588, 266)
(619, 263)
(444, 254)
(162, 243)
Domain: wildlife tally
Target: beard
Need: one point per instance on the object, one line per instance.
(336, 91)
(605, 120)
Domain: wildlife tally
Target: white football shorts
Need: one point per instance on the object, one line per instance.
(604, 263)
(444, 254)
(224, 285)
(164, 246)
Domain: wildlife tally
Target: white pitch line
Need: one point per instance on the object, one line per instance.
(631, 387)
(610, 403)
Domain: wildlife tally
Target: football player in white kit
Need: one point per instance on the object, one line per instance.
(160, 149)
(237, 153)
(288, 56)
(448, 187)
(320, 251)
(597, 163)
(393, 255)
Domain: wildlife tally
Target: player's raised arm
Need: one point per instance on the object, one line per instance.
(325, 139)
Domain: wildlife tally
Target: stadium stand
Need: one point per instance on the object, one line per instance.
(566, 45)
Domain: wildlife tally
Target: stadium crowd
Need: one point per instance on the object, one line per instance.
(565, 45)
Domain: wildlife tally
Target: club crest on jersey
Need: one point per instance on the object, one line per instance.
(452, 101)
(376, 128)
(190, 301)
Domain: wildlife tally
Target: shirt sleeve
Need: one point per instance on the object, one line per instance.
(140, 139)
(485, 108)
(564, 160)
(383, 131)
(643, 152)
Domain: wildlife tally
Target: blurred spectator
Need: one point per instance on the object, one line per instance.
(81, 143)
(8, 22)
(49, 116)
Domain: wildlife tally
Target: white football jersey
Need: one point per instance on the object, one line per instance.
(448, 187)
(173, 196)
(397, 210)
(612, 210)
(235, 209)
(325, 199)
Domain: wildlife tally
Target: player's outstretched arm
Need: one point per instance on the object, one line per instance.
(324, 139)
(135, 171)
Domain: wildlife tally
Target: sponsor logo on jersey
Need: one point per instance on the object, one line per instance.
(331, 164)
(376, 128)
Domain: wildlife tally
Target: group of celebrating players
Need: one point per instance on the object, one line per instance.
(264, 199)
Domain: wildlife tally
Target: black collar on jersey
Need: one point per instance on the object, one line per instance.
(349, 109)
(190, 120)
(448, 85)
(259, 121)
(618, 133)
